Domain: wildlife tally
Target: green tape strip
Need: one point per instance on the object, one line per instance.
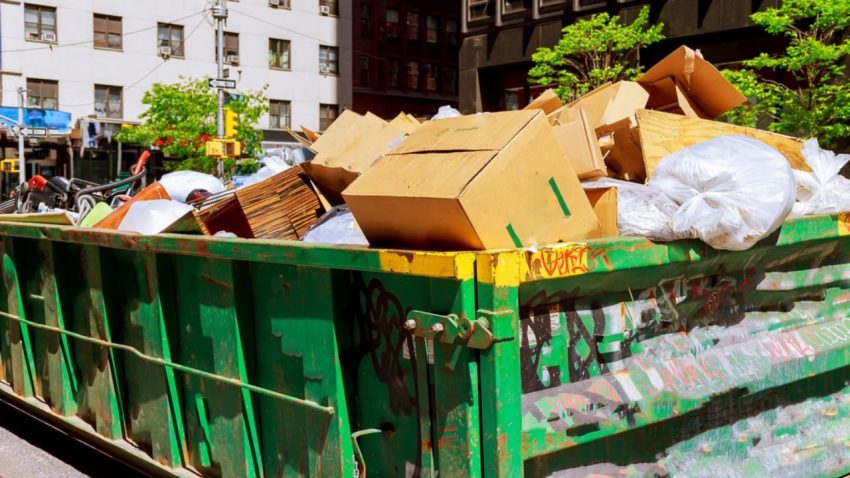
(514, 236)
(560, 197)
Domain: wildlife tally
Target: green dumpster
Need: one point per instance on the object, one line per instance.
(198, 356)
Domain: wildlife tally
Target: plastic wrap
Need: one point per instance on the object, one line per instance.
(337, 226)
(824, 190)
(731, 191)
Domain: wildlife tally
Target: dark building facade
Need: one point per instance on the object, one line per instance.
(499, 37)
(405, 56)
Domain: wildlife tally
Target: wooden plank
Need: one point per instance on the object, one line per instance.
(665, 133)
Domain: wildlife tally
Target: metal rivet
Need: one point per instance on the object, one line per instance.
(410, 324)
(437, 328)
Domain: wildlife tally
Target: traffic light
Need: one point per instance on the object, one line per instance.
(231, 122)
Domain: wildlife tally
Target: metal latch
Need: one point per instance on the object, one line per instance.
(452, 329)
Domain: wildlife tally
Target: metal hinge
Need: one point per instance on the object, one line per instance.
(454, 329)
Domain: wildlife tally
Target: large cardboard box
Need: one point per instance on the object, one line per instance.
(578, 141)
(604, 203)
(685, 83)
(548, 101)
(488, 181)
(348, 148)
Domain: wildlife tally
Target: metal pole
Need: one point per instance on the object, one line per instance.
(22, 164)
(118, 160)
(220, 15)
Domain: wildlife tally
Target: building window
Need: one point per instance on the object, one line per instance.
(327, 115)
(231, 48)
(549, 3)
(391, 73)
(329, 7)
(328, 60)
(431, 73)
(579, 5)
(365, 70)
(480, 9)
(40, 23)
(280, 4)
(170, 37)
(365, 21)
(107, 32)
(433, 29)
(515, 6)
(412, 26)
(411, 77)
(43, 94)
(510, 100)
(391, 25)
(280, 114)
(451, 33)
(279, 54)
(450, 80)
(108, 101)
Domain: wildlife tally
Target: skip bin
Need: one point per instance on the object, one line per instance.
(244, 358)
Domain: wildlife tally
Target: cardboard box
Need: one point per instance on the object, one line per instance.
(612, 103)
(548, 101)
(604, 203)
(685, 83)
(350, 146)
(405, 122)
(489, 181)
(621, 148)
(578, 141)
(282, 206)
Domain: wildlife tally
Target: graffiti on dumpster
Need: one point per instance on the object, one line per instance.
(381, 316)
(564, 336)
(564, 261)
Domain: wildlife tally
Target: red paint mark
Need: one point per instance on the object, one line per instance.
(564, 262)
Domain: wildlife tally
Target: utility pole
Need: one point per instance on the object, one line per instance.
(219, 12)
(22, 164)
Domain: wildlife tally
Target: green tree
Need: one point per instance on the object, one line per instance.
(814, 62)
(181, 117)
(593, 51)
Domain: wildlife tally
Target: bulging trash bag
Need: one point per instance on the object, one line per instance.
(337, 226)
(180, 183)
(446, 112)
(642, 211)
(824, 190)
(732, 190)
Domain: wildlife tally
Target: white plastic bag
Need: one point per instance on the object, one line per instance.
(822, 191)
(153, 217)
(446, 112)
(180, 183)
(732, 190)
(271, 165)
(337, 226)
(642, 211)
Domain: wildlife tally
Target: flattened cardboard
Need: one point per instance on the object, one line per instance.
(579, 143)
(612, 102)
(665, 133)
(702, 84)
(621, 148)
(548, 101)
(604, 203)
(404, 122)
(348, 148)
(516, 190)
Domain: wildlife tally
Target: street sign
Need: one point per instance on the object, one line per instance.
(37, 132)
(222, 83)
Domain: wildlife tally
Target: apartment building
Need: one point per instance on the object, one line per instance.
(499, 37)
(405, 56)
(96, 58)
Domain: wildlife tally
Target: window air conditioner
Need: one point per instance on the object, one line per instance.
(233, 59)
(165, 51)
(325, 10)
(324, 70)
(48, 36)
(274, 3)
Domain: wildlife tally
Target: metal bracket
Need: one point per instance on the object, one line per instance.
(454, 329)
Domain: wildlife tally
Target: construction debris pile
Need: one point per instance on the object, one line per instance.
(635, 158)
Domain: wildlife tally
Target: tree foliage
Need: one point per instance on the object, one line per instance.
(810, 95)
(594, 51)
(181, 117)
